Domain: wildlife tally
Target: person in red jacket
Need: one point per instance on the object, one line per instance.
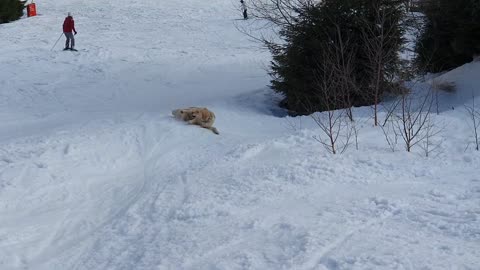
(68, 28)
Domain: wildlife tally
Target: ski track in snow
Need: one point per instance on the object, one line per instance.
(95, 174)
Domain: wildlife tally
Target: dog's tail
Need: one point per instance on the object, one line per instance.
(214, 130)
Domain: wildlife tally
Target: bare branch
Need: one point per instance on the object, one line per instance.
(474, 115)
(412, 122)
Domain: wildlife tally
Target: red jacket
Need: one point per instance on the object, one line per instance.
(69, 25)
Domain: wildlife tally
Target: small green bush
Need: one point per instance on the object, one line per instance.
(11, 10)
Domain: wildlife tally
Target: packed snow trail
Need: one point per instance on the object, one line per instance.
(96, 174)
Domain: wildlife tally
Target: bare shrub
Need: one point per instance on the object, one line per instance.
(474, 115)
(355, 129)
(336, 130)
(413, 117)
(409, 118)
(390, 132)
(333, 80)
(430, 144)
(381, 45)
(270, 17)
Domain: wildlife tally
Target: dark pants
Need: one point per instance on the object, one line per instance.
(245, 16)
(69, 37)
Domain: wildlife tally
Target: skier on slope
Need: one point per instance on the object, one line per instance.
(68, 28)
(244, 8)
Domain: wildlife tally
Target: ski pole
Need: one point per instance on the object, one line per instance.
(57, 41)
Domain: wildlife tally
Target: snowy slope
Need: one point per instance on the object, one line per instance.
(95, 174)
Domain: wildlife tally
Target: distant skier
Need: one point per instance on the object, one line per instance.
(244, 8)
(68, 28)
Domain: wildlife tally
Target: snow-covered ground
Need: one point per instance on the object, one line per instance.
(95, 173)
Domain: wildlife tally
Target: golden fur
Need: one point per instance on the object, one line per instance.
(197, 116)
(183, 114)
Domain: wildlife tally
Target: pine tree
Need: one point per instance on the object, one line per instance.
(11, 10)
(451, 35)
(327, 60)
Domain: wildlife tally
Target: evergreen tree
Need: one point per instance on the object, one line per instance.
(11, 10)
(451, 35)
(329, 59)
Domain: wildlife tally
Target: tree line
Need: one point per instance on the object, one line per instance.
(336, 54)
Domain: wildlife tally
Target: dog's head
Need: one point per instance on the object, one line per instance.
(203, 114)
(195, 112)
(182, 114)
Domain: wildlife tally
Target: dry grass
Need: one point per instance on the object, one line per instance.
(445, 86)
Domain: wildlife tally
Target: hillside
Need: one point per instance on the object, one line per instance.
(96, 174)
